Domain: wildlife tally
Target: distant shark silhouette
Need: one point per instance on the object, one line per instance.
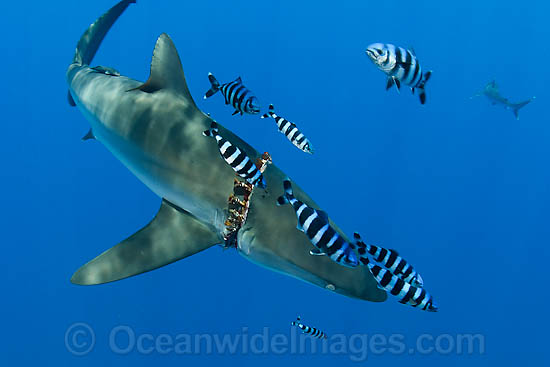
(491, 91)
(155, 130)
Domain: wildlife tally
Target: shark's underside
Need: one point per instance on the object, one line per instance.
(155, 129)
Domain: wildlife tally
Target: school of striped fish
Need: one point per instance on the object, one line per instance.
(392, 272)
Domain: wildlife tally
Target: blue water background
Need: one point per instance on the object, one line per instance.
(458, 186)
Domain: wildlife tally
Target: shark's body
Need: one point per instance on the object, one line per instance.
(491, 91)
(155, 129)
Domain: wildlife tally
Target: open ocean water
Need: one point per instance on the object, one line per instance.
(458, 186)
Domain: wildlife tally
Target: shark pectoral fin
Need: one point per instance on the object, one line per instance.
(172, 235)
(166, 70)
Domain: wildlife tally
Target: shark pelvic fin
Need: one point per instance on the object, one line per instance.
(172, 235)
(70, 99)
(166, 70)
(89, 135)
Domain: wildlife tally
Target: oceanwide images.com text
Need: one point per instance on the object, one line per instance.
(81, 340)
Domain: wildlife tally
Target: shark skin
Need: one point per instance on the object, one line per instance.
(155, 130)
(491, 91)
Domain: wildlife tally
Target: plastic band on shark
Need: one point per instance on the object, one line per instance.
(238, 207)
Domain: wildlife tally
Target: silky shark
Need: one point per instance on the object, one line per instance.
(492, 93)
(155, 129)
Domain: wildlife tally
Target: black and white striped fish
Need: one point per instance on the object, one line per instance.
(290, 130)
(389, 259)
(401, 66)
(314, 223)
(404, 291)
(236, 94)
(237, 159)
(308, 329)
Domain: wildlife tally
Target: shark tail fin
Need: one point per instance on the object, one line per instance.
(213, 131)
(270, 112)
(285, 198)
(91, 39)
(516, 107)
(422, 86)
(215, 86)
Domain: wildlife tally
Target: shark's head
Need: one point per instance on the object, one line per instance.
(377, 53)
(252, 106)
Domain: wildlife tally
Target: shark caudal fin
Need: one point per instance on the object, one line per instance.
(172, 235)
(422, 86)
(284, 199)
(516, 107)
(215, 86)
(91, 39)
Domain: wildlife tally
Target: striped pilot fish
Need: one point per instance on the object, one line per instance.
(290, 130)
(236, 94)
(308, 329)
(314, 223)
(401, 66)
(389, 259)
(237, 159)
(405, 292)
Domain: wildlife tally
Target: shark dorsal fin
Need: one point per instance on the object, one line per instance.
(166, 69)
